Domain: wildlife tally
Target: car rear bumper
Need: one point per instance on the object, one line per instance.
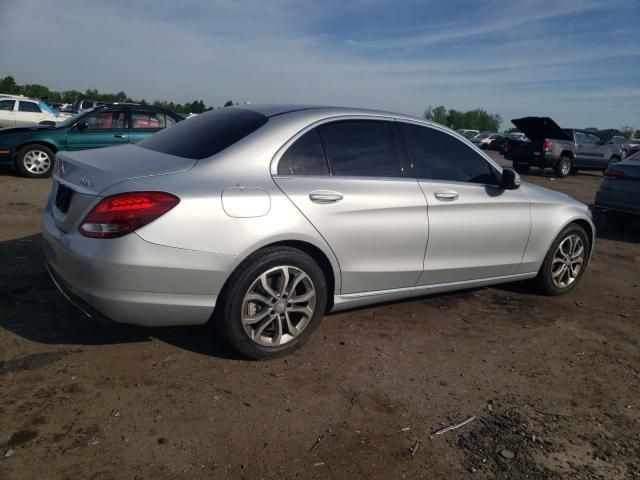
(129, 280)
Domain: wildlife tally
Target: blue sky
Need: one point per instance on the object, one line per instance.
(577, 61)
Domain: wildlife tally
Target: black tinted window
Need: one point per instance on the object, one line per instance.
(304, 157)
(439, 156)
(7, 105)
(205, 134)
(28, 107)
(361, 148)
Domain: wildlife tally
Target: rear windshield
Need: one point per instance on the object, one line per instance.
(206, 134)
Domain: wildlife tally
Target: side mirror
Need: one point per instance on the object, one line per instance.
(510, 179)
(82, 125)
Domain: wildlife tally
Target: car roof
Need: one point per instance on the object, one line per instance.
(272, 110)
(17, 97)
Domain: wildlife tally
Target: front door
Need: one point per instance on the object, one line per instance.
(104, 128)
(346, 177)
(589, 152)
(477, 230)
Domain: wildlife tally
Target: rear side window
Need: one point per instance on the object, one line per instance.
(361, 148)
(437, 155)
(304, 157)
(206, 134)
(147, 120)
(29, 107)
(7, 105)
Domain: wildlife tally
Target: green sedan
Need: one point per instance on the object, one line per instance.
(32, 148)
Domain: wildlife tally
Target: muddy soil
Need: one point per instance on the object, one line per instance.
(554, 383)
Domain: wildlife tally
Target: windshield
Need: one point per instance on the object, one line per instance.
(70, 120)
(45, 106)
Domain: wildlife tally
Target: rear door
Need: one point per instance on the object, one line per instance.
(348, 179)
(589, 152)
(147, 122)
(28, 113)
(476, 229)
(104, 128)
(7, 113)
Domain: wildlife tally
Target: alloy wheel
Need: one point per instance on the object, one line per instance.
(37, 162)
(278, 306)
(567, 261)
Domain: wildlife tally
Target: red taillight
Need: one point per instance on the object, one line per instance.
(546, 145)
(120, 214)
(611, 173)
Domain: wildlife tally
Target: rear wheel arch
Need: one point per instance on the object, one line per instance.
(320, 257)
(567, 153)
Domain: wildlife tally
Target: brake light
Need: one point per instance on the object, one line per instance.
(546, 145)
(611, 173)
(124, 213)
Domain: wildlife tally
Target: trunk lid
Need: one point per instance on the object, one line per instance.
(539, 128)
(80, 177)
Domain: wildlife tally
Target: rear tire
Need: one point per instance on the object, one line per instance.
(565, 262)
(563, 166)
(263, 307)
(35, 161)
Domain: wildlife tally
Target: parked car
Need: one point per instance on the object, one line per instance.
(489, 141)
(32, 148)
(619, 193)
(18, 110)
(264, 218)
(564, 150)
(633, 146)
(82, 104)
(468, 133)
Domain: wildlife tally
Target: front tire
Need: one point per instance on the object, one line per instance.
(273, 303)
(565, 262)
(521, 168)
(35, 161)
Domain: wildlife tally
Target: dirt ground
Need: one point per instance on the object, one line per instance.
(554, 383)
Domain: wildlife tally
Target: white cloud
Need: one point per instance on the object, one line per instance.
(268, 52)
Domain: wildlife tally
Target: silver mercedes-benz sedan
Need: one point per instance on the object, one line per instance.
(264, 218)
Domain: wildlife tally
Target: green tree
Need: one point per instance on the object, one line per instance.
(8, 85)
(627, 132)
(228, 103)
(437, 114)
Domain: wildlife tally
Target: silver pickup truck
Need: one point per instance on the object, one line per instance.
(566, 150)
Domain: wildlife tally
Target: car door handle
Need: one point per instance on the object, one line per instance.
(446, 195)
(117, 135)
(325, 196)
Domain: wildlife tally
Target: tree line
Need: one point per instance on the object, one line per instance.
(8, 85)
(477, 119)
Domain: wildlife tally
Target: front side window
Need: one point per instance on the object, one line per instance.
(7, 105)
(364, 148)
(436, 155)
(109, 120)
(304, 157)
(148, 120)
(29, 107)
